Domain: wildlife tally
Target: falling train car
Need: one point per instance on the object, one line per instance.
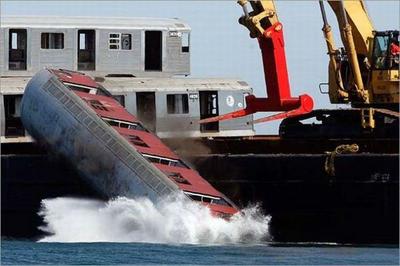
(76, 117)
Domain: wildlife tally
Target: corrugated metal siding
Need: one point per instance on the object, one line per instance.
(119, 61)
(238, 123)
(88, 22)
(176, 61)
(175, 122)
(2, 50)
(173, 125)
(54, 58)
(107, 61)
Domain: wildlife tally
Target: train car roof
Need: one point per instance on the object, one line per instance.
(16, 85)
(94, 22)
(173, 84)
(13, 85)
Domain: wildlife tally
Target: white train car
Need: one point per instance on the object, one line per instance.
(170, 107)
(136, 47)
(142, 61)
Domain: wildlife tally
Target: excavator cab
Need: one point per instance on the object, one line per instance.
(385, 69)
(386, 50)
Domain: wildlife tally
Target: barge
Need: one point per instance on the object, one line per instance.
(286, 173)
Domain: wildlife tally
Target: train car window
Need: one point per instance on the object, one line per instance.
(177, 103)
(113, 41)
(220, 202)
(82, 41)
(86, 50)
(207, 200)
(178, 163)
(151, 159)
(126, 42)
(120, 41)
(194, 197)
(77, 88)
(120, 99)
(52, 40)
(123, 124)
(137, 127)
(177, 177)
(97, 105)
(112, 123)
(81, 88)
(17, 51)
(14, 40)
(136, 141)
(165, 161)
(102, 91)
(185, 42)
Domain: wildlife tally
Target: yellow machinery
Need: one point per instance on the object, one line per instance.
(366, 72)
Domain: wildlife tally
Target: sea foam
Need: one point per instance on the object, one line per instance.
(140, 220)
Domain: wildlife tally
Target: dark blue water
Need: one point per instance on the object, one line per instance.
(26, 252)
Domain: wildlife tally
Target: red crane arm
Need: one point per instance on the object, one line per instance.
(272, 47)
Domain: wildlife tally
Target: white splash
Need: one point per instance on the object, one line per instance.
(140, 220)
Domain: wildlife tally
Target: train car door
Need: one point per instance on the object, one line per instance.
(86, 50)
(209, 108)
(17, 49)
(146, 109)
(153, 51)
(13, 125)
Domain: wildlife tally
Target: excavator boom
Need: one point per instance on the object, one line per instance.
(264, 25)
(365, 73)
(360, 22)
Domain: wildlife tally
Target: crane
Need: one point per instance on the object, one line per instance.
(264, 25)
(364, 73)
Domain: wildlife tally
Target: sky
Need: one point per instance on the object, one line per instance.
(220, 47)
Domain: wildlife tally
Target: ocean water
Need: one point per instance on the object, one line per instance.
(25, 252)
(174, 231)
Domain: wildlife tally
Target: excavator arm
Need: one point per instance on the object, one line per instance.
(360, 22)
(356, 32)
(263, 24)
(365, 73)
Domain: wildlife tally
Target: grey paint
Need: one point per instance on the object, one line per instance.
(237, 124)
(53, 58)
(130, 102)
(173, 125)
(175, 62)
(120, 62)
(105, 159)
(2, 49)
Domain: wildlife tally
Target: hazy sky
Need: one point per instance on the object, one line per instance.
(220, 47)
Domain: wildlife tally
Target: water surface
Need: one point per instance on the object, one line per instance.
(28, 252)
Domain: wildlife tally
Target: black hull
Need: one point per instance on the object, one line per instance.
(360, 204)
(26, 180)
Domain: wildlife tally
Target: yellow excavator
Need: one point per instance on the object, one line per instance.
(365, 73)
